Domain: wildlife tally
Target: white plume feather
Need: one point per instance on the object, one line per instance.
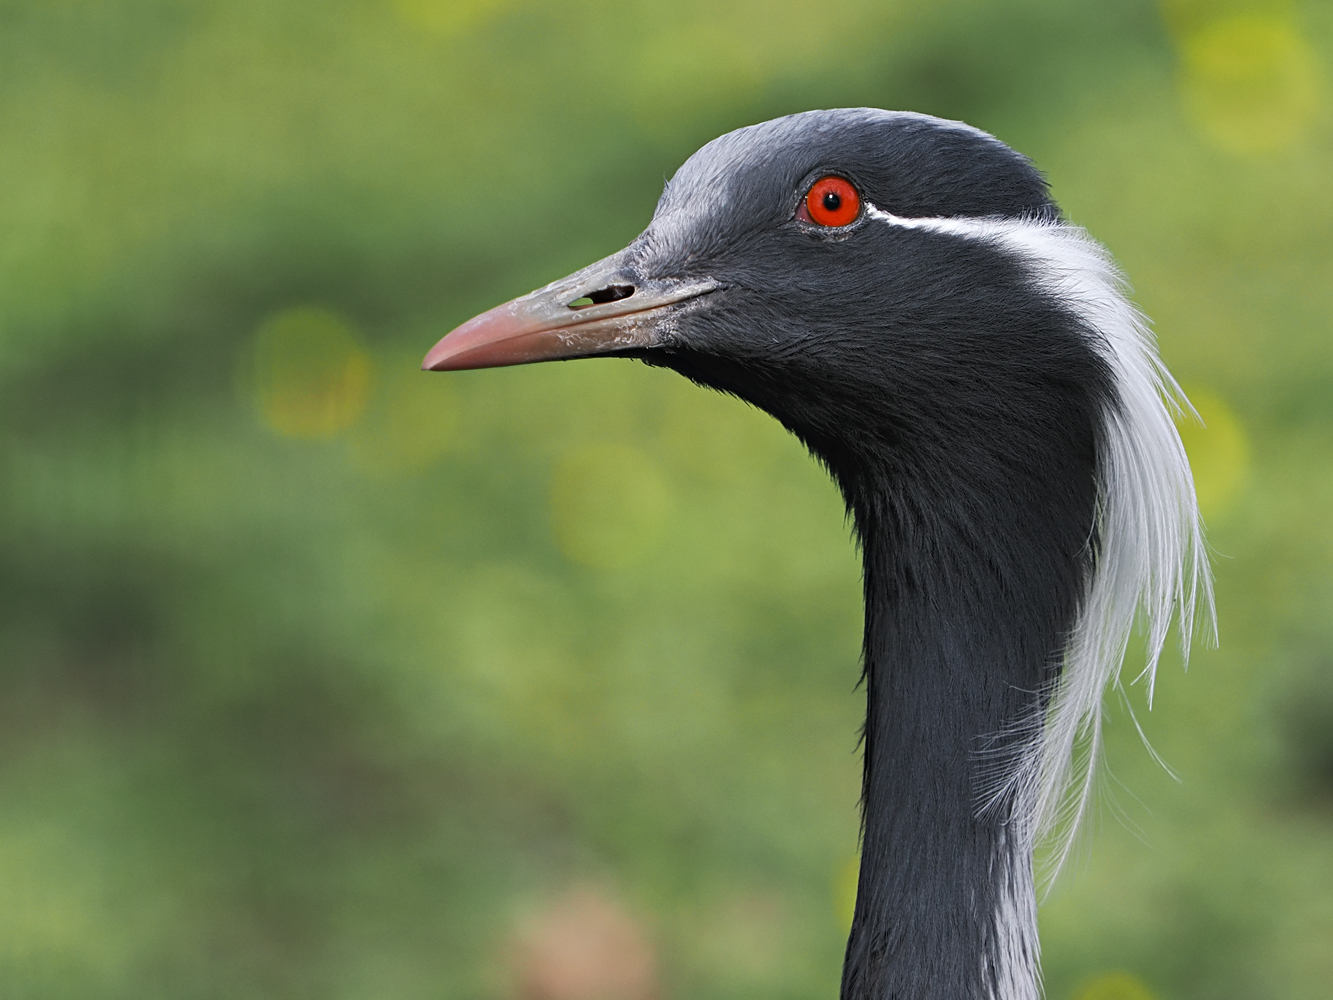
(1151, 559)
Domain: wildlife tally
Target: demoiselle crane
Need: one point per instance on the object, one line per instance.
(902, 293)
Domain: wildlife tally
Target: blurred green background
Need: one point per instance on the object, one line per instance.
(321, 677)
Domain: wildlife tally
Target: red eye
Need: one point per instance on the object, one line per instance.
(832, 201)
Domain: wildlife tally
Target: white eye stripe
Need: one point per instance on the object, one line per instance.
(959, 226)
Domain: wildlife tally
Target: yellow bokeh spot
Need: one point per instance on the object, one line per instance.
(1184, 17)
(609, 504)
(1250, 82)
(446, 17)
(1114, 986)
(1218, 449)
(844, 890)
(411, 422)
(310, 376)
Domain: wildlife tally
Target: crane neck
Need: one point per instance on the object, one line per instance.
(969, 595)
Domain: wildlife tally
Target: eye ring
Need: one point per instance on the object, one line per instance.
(832, 202)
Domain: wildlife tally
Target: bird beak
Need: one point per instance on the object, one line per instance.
(598, 310)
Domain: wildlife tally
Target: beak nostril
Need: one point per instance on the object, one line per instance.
(611, 293)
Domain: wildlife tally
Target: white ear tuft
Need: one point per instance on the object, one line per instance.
(1151, 557)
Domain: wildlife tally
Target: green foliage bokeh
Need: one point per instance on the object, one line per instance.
(314, 675)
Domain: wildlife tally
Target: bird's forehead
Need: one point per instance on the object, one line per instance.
(738, 171)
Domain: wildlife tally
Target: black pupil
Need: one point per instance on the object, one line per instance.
(832, 200)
